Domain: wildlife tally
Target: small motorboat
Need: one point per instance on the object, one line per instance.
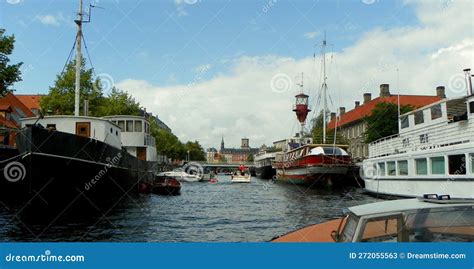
(432, 218)
(241, 177)
(166, 186)
(180, 175)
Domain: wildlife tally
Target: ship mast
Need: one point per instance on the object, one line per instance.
(78, 22)
(324, 87)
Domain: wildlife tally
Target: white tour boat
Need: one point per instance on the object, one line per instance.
(433, 152)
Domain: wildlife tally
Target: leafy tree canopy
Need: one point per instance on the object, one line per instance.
(317, 132)
(383, 121)
(9, 73)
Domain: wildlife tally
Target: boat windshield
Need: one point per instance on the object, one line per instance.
(447, 224)
(349, 228)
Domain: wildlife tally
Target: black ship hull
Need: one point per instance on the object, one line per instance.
(265, 172)
(62, 170)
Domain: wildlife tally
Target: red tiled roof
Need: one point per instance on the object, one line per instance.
(5, 107)
(416, 101)
(14, 102)
(30, 101)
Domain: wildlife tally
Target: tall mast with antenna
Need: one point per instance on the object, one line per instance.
(324, 87)
(78, 22)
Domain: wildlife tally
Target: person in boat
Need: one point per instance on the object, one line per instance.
(242, 169)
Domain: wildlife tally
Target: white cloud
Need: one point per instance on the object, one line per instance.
(243, 104)
(310, 35)
(52, 20)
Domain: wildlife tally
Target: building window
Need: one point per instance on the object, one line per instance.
(424, 138)
(129, 126)
(457, 164)
(121, 125)
(403, 168)
(391, 168)
(421, 166)
(437, 166)
(419, 119)
(436, 112)
(138, 126)
(404, 122)
(381, 169)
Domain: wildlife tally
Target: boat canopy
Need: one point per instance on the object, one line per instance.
(328, 151)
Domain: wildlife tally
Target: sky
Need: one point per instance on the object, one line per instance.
(212, 68)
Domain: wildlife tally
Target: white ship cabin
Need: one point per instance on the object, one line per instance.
(95, 128)
(435, 141)
(136, 137)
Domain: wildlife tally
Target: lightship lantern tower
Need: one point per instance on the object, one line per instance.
(301, 107)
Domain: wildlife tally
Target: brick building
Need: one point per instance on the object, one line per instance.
(352, 125)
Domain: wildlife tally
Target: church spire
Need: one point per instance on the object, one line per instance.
(222, 143)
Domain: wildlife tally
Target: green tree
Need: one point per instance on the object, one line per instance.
(250, 158)
(118, 103)
(167, 143)
(9, 73)
(60, 99)
(317, 132)
(196, 152)
(383, 121)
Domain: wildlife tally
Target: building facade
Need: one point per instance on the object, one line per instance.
(352, 126)
(231, 155)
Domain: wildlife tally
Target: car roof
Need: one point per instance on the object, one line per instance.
(405, 205)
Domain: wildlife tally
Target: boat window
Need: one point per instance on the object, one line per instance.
(111, 130)
(448, 224)
(457, 164)
(129, 126)
(333, 151)
(436, 112)
(51, 126)
(421, 166)
(403, 168)
(121, 125)
(349, 229)
(404, 122)
(147, 128)
(471, 107)
(419, 119)
(424, 138)
(381, 229)
(138, 126)
(381, 169)
(437, 166)
(391, 169)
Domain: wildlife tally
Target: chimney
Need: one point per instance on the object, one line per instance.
(357, 104)
(342, 110)
(367, 97)
(384, 90)
(440, 92)
(467, 73)
(333, 115)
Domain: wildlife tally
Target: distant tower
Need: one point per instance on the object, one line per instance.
(301, 107)
(222, 144)
(245, 143)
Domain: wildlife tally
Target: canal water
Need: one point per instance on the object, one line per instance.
(204, 212)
